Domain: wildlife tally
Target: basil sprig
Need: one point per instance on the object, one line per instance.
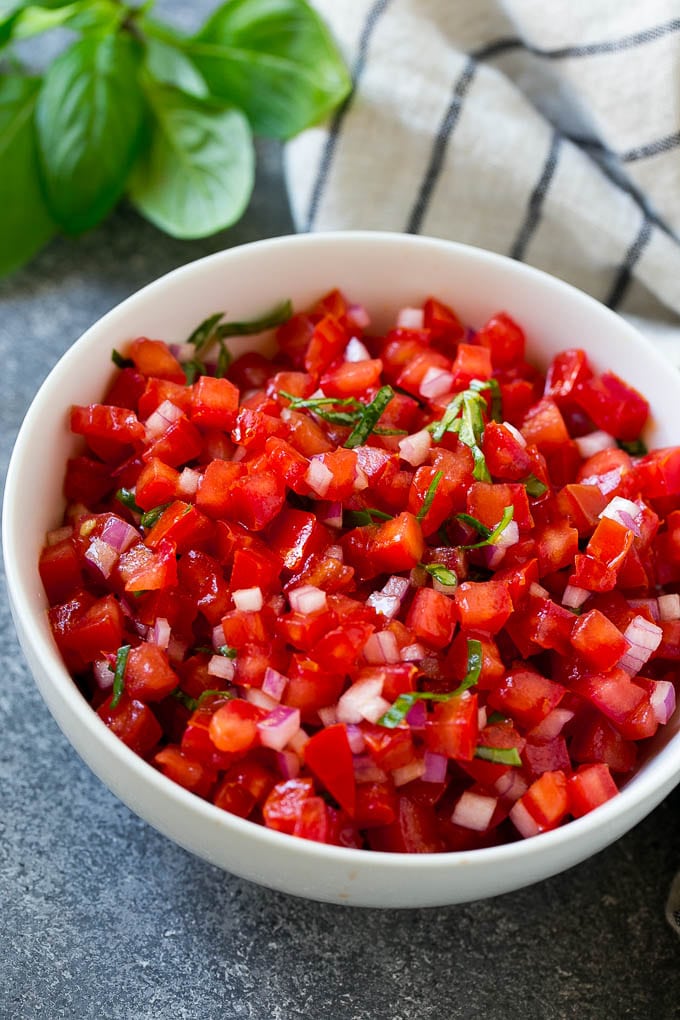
(395, 715)
(465, 416)
(119, 674)
(212, 331)
(133, 107)
(429, 495)
(489, 536)
(361, 418)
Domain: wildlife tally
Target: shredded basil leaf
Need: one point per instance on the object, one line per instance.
(127, 498)
(360, 518)
(370, 416)
(429, 496)
(205, 332)
(465, 416)
(224, 360)
(151, 517)
(192, 369)
(634, 447)
(480, 528)
(490, 538)
(442, 573)
(184, 699)
(534, 486)
(275, 317)
(119, 361)
(496, 717)
(499, 755)
(119, 674)
(493, 386)
(213, 694)
(227, 651)
(405, 702)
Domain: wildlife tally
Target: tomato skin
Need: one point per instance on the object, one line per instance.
(352, 378)
(598, 640)
(133, 722)
(200, 577)
(327, 343)
(505, 456)
(504, 338)
(141, 569)
(442, 322)
(310, 687)
(485, 606)
(282, 807)
(148, 674)
(154, 358)
(453, 727)
(588, 787)
(432, 617)
(546, 800)
(526, 696)
(296, 535)
(60, 571)
(156, 483)
(233, 727)
(613, 405)
(413, 831)
(567, 370)
(214, 403)
(329, 757)
(99, 421)
(181, 768)
(183, 525)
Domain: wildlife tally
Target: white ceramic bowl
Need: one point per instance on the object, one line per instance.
(384, 272)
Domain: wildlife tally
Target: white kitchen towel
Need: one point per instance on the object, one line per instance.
(545, 131)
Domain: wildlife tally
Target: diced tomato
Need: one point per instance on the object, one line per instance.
(233, 727)
(613, 405)
(283, 806)
(133, 722)
(60, 571)
(327, 343)
(148, 674)
(453, 727)
(99, 421)
(157, 483)
(483, 605)
(526, 696)
(546, 799)
(432, 617)
(442, 322)
(567, 370)
(413, 831)
(179, 766)
(504, 338)
(506, 457)
(329, 757)
(598, 640)
(179, 444)
(143, 569)
(154, 358)
(588, 787)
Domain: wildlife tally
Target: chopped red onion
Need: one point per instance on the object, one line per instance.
(103, 674)
(436, 766)
(274, 683)
(355, 739)
(218, 636)
(525, 824)
(511, 785)
(552, 725)
(298, 740)
(359, 316)
(328, 715)
(436, 382)
(360, 479)
(240, 451)
(410, 318)
(188, 482)
(279, 727)
(289, 764)
(257, 697)
(397, 586)
(414, 449)
(330, 514)
(508, 537)
(574, 597)
(644, 638)
(356, 351)
(59, 534)
(335, 552)
(474, 811)
(669, 607)
(407, 773)
(307, 599)
(381, 648)
(176, 649)
(102, 556)
(248, 600)
(222, 667)
(481, 717)
(662, 700)
(318, 477)
(413, 653)
(594, 443)
(491, 556)
(538, 591)
(183, 352)
(119, 534)
(366, 770)
(350, 707)
(386, 605)
(624, 512)
(160, 633)
(515, 432)
(161, 419)
(651, 605)
(416, 716)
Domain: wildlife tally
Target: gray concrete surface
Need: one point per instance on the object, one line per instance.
(101, 917)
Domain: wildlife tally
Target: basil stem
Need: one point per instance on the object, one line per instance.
(119, 674)
(205, 332)
(370, 417)
(369, 515)
(493, 386)
(405, 702)
(127, 498)
(151, 517)
(491, 536)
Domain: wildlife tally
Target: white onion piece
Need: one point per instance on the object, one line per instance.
(274, 683)
(410, 318)
(508, 537)
(413, 653)
(552, 725)
(407, 773)
(102, 556)
(356, 351)
(103, 674)
(436, 766)
(594, 443)
(279, 727)
(160, 420)
(289, 764)
(257, 697)
(59, 534)
(474, 811)
(538, 591)
(360, 479)
(382, 648)
(662, 700)
(435, 383)
(318, 477)
(574, 597)
(415, 448)
(183, 352)
(366, 770)
(298, 741)
(445, 589)
(481, 717)
(248, 600)
(188, 482)
(328, 715)
(386, 605)
(307, 599)
(644, 638)
(355, 739)
(515, 432)
(351, 704)
(510, 786)
(160, 633)
(523, 821)
(669, 607)
(624, 512)
(397, 586)
(221, 666)
(375, 709)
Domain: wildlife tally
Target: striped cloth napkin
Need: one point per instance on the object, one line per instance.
(545, 131)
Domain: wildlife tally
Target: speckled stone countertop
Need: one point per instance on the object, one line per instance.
(103, 918)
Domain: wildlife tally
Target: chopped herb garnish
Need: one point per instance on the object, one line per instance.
(119, 361)
(227, 651)
(496, 717)
(214, 694)
(493, 387)
(275, 317)
(634, 447)
(405, 702)
(369, 417)
(499, 755)
(442, 574)
(204, 334)
(184, 699)
(119, 674)
(429, 495)
(192, 369)
(360, 518)
(127, 498)
(534, 486)
(465, 416)
(490, 537)
(151, 517)
(224, 360)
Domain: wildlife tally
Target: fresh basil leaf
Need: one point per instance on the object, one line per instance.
(89, 116)
(203, 335)
(184, 699)
(227, 651)
(369, 417)
(396, 714)
(128, 498)
(534, 486)
(26, 222)
(633, 447)
(196, 175)
(152, 516)
(224, 360)
(81, 16)
(168, 65)
(121, 362)
(275, 60)
(119, 674)
(276, 317)
(10, 12)
(443, 574)
(492, 537)
(429, 496)
(498, 755)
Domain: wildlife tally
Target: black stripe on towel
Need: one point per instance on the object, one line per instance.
(651, 149)
(632, 257)
(446, 129)
(535, 205)
(372, 18)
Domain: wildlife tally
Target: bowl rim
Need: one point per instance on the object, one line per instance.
(644, 791)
